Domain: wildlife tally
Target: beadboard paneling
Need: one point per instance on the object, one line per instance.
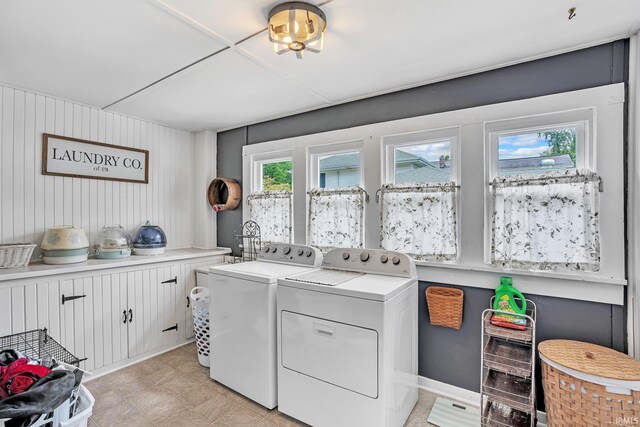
(31, 202)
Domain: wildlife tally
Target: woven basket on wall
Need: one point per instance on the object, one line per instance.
(589, 385)
(15, 254)
(445, 306)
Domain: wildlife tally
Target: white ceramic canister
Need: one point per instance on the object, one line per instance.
(65, 244)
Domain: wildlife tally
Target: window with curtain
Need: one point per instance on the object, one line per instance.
(420, 220)
(546, 222)
(336, 218)
(272, 210)
(418, 211)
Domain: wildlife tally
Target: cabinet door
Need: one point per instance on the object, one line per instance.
(119, 317)
(78, 318)
(167, 320)
(135, 302)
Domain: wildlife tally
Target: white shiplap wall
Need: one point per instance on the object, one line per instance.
(31, 202)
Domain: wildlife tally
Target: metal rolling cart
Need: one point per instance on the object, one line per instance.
(507, 391)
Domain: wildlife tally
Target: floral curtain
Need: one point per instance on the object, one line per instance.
(272, 210)
(336, 218)
(419, 220)
(547, 222)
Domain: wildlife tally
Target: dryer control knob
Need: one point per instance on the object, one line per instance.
(384, 259)
(287, 249)
(364, 257)
(308, 253)
(395, 260)
(300, 252)
(345, 255)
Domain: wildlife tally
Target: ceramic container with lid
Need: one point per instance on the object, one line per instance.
(113, 242)
(149, 240)
(65, 244)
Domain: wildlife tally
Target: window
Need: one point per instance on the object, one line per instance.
(422, 163)
(336, 199)
(544, 197)
(271, 201)
(339, 170)
(536, 152)
(418, 206)
(276, 175)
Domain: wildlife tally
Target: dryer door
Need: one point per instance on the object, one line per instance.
(337, 353)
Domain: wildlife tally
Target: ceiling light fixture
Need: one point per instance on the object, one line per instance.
(297, 26)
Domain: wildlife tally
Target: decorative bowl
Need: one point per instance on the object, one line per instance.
(149, 240)
(64, 237)
(112, 242)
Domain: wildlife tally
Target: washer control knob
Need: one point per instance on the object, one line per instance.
(300, 251)
(345, 255)
(287, 249)
(308, 253)
(384, 259)
(395, 260)
(364, 256)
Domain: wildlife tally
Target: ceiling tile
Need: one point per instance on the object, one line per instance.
(94, 51)
(377, 46)
(232, 20)
(224, 91)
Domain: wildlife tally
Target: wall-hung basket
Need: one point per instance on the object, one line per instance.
(445, 306)
(215, 194)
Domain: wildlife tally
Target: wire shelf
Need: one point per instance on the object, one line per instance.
(37, 344)
(508, 369)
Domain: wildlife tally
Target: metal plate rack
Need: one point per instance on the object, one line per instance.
(507, 389)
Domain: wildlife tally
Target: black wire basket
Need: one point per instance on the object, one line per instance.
(37, 344)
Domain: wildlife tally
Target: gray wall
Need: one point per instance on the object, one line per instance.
(448, 355)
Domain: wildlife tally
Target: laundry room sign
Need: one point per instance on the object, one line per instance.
(64, 156)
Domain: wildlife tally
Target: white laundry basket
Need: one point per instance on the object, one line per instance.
(200, 309)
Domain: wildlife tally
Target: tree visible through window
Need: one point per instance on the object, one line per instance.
(276, 176)
(537, 152)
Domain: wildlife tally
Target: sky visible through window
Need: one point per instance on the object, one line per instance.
(523, 145)
(429, 152)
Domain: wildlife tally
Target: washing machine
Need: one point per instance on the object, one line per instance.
(243, 318)
(348, 340)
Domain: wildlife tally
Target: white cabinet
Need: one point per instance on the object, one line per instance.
(108, 317)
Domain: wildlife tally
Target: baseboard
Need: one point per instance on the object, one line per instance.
(463, 395)
(132, 361)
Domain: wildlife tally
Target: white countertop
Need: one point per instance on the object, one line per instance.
(37, 269)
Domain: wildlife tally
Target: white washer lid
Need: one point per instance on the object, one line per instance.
(258, 271)
(374, 287)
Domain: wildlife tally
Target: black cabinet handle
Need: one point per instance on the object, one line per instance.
(124, 316)
(188, 302)
(174, 280)
(71, 298)
(130, 315)
(173, 328)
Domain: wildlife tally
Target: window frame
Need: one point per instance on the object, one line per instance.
(607, 145)
(429, 136)
(315, 153)
(258, 163)
(582, 119)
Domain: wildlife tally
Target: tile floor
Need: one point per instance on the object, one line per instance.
(172, 389)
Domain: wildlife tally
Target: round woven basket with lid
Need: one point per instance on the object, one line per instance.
(589, 385)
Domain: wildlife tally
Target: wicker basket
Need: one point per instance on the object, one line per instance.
(589, 385)
(15, 254)
(445, 306)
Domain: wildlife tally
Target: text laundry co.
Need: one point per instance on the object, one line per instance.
(95, 158)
